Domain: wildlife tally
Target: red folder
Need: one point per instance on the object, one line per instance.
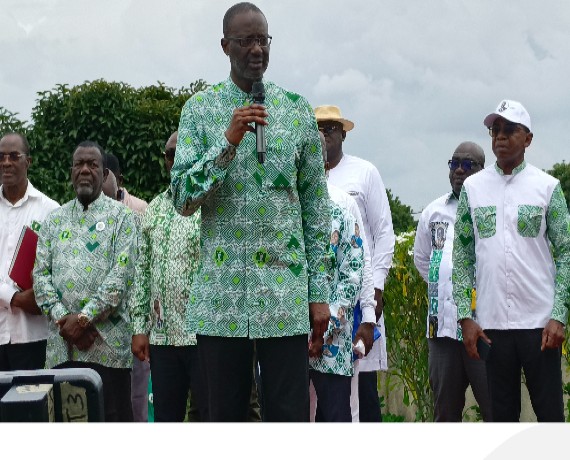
(24, 258)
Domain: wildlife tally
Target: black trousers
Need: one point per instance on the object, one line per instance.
(226, 364)
(368, 402)
(512, 351)
(23, 356)
(116, 389)
(333, 397)
(175, 371)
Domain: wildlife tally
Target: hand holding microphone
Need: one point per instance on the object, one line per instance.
(242, 120)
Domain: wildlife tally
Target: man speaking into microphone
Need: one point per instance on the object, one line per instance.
(264, 231)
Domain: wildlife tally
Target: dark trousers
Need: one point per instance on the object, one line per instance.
(23, 356)
(451, 371)
(333, 397)
(116, 389)
(368, 402)
(515, 349)
(175, 371)
(226, 363)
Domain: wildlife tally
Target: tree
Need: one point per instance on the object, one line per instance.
(402, 218)
(10, 123)
(132, 123)
(562, 172)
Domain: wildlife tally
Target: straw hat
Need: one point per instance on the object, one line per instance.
(332, 113)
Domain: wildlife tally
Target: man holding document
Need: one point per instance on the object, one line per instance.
(23, 329)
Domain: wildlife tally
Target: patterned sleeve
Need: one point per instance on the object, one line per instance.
(463, 257)
(315, 209)
(139, 296)
(113, 289)
(558, 230)
(47, 297)
(349, 267)
(197, 171)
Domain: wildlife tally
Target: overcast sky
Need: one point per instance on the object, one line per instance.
(416, 77)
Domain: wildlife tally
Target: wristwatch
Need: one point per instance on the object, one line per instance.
(83, 320)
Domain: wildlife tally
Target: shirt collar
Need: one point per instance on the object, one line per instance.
(236, 93)
(31, 192)
(94, 205)
(450, 196)
(517, 170)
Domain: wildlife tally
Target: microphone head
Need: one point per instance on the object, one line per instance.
(258, 91)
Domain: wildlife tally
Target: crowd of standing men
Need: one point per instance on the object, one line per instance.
(252, 279)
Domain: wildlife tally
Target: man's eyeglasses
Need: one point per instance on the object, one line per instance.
(327, 129)
(466, 165)
(12, 156)
(169, 154)
(247, 42)
(507, 128)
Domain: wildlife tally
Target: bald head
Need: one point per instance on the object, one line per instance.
(467, 159)
(475, 149)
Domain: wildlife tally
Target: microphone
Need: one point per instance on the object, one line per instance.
(258, 93)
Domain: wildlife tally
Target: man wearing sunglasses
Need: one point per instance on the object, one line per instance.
(451, 370)
(23, 329)
(261, 283)
(512, 230)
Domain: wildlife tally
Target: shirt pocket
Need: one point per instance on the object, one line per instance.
(486, 221)
(529, 220)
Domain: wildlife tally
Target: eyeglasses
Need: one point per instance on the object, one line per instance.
(327, 129)
(12, 156)
(466, 165)
(169, 154)
(247, 42)
(507, 128)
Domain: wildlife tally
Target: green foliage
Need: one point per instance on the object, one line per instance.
(405, 312)
(132, 123)
(10, 123)
(402, 218)
(562, 172)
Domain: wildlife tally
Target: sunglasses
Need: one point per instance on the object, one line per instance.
(169, 154)
(508, 129)
(13, 156)
(327, 129)
(466, 165)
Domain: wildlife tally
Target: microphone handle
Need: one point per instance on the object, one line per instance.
(261, 144)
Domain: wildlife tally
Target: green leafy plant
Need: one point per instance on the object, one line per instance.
(132, 123)
(405, 311)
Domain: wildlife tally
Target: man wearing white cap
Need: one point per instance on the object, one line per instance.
(362, 180)
(512, 228)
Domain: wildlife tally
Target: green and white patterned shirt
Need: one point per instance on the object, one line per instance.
(506, 227)
(168, 259)
(264, 227)
(84, 264)
(346, 268)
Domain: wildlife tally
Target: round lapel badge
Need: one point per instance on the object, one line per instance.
(100, 226)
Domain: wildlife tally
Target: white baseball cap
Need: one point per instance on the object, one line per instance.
(509, 110)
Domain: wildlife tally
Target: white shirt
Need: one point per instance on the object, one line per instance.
(433, 249)
(360, 179)
(515, 219)
(17, 326)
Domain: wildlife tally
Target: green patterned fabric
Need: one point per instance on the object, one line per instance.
(85, 264)
(264, 227)
(486, 221)
(168, 258)
(345, 264)
(530, 218)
